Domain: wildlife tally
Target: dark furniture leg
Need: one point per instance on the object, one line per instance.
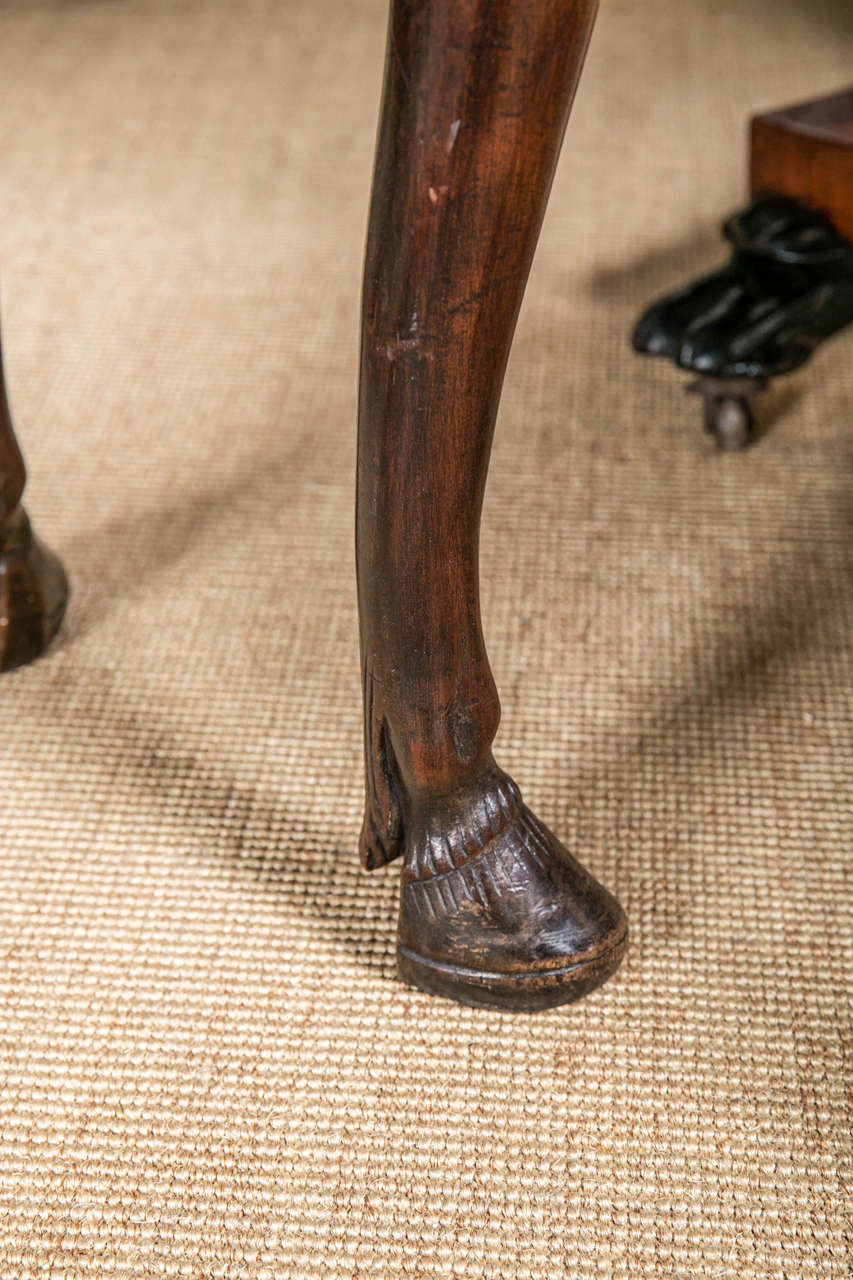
(493, 909)
(33, 586)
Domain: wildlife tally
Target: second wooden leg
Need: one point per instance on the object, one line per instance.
(33, 586)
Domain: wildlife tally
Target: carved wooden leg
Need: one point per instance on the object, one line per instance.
(493, 909)
(33, 586)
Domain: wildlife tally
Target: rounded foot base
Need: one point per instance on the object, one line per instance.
(532, 992)
(33, 593)
(495, 912)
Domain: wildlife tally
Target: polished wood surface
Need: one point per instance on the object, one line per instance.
(477, 92)
(806, 152)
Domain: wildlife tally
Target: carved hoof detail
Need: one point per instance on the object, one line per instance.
(495, 912)
(33, 593)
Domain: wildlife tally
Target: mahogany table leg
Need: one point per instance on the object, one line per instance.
(33, 586)
(493, 909)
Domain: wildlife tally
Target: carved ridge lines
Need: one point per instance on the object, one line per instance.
(478, 891)
(424, 862)
(477, 836)
(535, 841)
(515, 854)
(447, 887)
(491, 810)
(490, 877)
(499, 867)
(478, 881)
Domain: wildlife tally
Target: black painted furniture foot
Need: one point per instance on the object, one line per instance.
(787, 287)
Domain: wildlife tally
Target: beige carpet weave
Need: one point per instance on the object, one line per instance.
(208, 1066)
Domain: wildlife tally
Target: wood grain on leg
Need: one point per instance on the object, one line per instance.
(477, 92)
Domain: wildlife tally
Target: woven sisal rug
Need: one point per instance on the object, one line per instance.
(207, 1066)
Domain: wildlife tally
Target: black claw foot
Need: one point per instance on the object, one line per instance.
(787, 288)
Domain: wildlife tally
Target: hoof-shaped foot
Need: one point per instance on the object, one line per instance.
(495, 912)
(33, 593)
